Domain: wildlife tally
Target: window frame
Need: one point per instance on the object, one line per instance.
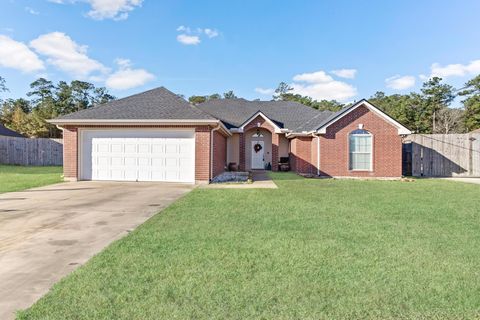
(367, 134)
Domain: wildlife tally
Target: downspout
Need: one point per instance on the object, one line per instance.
(211, 149)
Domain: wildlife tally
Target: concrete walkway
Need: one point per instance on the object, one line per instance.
(261, 180)
(47, 232)
(466, 180)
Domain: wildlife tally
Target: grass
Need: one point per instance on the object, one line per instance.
(312, 249)
(16, 178)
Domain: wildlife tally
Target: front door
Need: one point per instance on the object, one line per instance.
(258, 150)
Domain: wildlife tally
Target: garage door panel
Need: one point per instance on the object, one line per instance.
(139, 155)
(143, 162)
(157, 148)
(171, 148)
(117, 161)
(130, 148)
(158, 162)
(171, 162)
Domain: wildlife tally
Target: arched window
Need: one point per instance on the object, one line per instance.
(360, 150)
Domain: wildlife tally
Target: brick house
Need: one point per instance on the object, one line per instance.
(158, 136)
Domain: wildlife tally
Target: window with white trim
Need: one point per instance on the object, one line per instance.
(360, 150)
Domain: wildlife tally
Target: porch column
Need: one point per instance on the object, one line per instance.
(275, 143)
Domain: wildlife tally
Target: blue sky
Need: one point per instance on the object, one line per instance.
(343, 50)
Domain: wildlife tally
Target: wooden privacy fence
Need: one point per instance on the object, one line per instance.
(442, 155)
(31, 152)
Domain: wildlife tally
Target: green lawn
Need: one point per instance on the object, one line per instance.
(312, 249)
(15, 178)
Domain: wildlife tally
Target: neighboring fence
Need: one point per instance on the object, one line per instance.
(442, 155)
(31, 152)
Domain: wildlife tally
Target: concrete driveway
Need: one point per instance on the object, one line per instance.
(47, 232)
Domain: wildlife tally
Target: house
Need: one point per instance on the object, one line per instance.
(5, 132)
(158, 136)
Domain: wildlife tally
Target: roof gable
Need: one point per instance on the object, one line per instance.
(402, 130)
(267, 119)
(154, 104)
(287, 115)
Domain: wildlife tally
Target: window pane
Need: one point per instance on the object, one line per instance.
(360, 161)
(360, 152)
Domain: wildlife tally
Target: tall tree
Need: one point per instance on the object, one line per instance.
(200, 99)
(3, 85)
(214, 96)
(437, 96)
(229, 95)
(471, 92)
(197, 99)
(408, 109)
(9, 107)
(49, 101)
(330, 105)
(450, 120)
(282, 89)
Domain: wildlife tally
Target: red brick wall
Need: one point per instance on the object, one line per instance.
(387, 146)
(202, 153)
(202, 149)
(70, 155)
(219, 153)
(301, 155)
(275, 141)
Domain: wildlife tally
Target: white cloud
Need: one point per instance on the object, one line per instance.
(398, 82)
(313, 77)
(345, 73)
(455, 70)
(31, 11)
(126, 77)
(17, 55)
(188, 40)
(112, 9)
(211, 33)
(184, 29)
(107, 9)
(265, 91)
(65, 54)
(191, 36)
(319, 85)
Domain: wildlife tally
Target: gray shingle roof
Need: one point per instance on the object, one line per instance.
(158, 103)
(9, 133)
(287, 114)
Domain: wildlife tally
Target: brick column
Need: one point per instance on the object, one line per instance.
(70, 153)
(275, 143)
(202, 153)
(242, 165)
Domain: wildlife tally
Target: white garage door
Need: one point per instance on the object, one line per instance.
(138, 155)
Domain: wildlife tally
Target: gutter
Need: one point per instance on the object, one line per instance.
(139, 122)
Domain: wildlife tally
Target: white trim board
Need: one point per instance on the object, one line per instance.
(276, 128)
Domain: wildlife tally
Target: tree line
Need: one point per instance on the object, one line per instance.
(427, 111)
(47, 100)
